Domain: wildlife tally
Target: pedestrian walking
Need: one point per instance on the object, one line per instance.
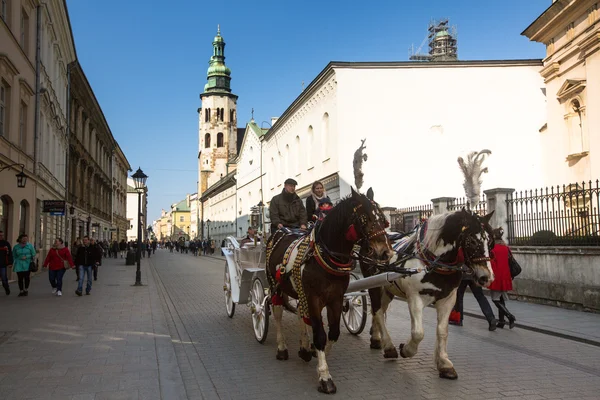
(503, 281)
(74, 249)
(6, 261)
(23, 257)
(100, 252)
(123, 248)
(58, 261)
(87, 257)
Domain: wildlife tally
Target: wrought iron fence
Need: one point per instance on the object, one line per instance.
(458, 203)
(555, 216)
(405, 219)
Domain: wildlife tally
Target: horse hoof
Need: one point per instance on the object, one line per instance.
(282, 354)
(448, 373)
(390, 353)
(327, 387)
(375, 344)
(305, 355)
(401, 352)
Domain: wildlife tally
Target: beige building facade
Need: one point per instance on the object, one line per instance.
(17, 100)
(97, 168)
(570, 29)
(33, 115)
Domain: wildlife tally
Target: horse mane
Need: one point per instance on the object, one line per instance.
(337, 219)
(442, 231)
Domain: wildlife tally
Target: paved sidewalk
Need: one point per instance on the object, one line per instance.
(570, 324)
(114, 344)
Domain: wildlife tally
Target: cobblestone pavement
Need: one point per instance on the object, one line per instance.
(113, 344)
(171, 339)
(219, 356)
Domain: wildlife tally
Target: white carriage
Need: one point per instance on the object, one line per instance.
(246, 283)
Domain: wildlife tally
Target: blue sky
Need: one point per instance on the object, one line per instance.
(146, 60)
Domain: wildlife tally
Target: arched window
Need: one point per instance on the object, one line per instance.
(251, 155)
(207, 115)
(282, 166)
(220, 139)
(207, 141)
(325, 135)
(23, 215)
(222, 114)
(310, 146)
(5, 208)
(218, 114)
(272, 175)
(297, 152)
(231, 115)
(288, 163)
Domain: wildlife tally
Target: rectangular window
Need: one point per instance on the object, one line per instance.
(24, 38)
(4, 108)
(23, 126)
(181, 218)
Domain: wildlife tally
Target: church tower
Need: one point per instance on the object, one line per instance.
(217, 120)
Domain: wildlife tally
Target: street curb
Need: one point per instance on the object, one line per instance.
(544, 331)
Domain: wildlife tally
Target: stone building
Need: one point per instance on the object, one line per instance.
(97, 168)
(133, 217)
(33, 116)
(570, 29)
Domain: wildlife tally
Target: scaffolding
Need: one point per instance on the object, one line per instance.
(442, 42)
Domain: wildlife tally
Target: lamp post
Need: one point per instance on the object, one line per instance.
(21, 177)
(208, 225)
(139, 179)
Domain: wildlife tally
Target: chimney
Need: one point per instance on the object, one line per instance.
(273, 120)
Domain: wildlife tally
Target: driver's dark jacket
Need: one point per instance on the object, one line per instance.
(288, 210)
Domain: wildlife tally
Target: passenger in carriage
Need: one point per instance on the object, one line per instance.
(250, 237)
(325, 205)
(317, 193)
(286, 209)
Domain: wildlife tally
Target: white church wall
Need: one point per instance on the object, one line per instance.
(302, 145)
(417, 121)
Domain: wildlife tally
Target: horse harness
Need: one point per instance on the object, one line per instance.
(308, 246)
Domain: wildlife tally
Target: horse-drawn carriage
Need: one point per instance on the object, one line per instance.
(424, 267)
(246, 283)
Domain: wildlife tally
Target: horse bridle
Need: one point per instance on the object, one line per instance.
(360, 238)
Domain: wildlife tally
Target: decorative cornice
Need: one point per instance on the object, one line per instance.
(550, 71)
(590, 44)
(25, 85)
(4, 60)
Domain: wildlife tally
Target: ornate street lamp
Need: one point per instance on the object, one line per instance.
(139, 180)
(21, 177)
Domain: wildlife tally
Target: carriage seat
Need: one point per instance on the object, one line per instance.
(396, 236)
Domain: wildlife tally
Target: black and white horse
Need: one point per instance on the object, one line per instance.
(440, 250)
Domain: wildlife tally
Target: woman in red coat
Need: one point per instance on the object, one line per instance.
(502, 282)
(55, 262)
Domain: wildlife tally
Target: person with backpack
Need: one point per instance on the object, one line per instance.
(57, 261)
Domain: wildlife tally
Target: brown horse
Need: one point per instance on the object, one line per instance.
(324, 273)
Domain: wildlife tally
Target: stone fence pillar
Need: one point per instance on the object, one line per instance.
(496, 201)
(440, 204)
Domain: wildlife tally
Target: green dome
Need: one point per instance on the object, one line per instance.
(441, 34)
(218, 69)
(218, 39)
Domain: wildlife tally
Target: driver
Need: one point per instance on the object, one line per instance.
(286, 209)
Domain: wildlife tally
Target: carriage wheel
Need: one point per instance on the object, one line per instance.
(260, 311)
(354, 312)
(229, 304)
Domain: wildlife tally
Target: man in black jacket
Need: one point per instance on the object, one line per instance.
(286, 209)
(6, 260)
(87, 257)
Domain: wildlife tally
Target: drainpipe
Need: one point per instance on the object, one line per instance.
(68, 152)
(36, 121)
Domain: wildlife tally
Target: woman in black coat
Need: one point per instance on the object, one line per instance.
(312, 202)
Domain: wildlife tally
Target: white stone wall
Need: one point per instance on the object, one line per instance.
(132, 212)
(194, 216)
(303, 145)
(423, 118)
(221, 211)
